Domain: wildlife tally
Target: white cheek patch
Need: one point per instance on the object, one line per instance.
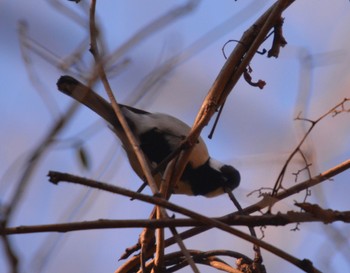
(217, 165)
(199, 155)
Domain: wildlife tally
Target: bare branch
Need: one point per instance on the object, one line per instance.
(314, 214)
(229, 75)
(56, 177)
(338, 108)
(101, 72)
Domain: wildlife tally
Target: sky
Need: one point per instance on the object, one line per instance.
(256, 131)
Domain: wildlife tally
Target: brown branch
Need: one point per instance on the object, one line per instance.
(313, 214)
(325, 215)
(176, 261)
(134, 144)
(25, 178)
(258, 257)
(266, 201)
(159, 255)
(56, 177)
(101, 72)
(165, 192)
(229, 75)
(184, 250)
(197, 46)
(335, 111)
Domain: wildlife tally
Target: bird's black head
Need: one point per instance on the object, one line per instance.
(212, 178)
(232, 177)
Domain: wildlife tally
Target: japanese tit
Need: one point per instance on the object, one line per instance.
(159, 135)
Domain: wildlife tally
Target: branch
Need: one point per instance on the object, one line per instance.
(334, 111)
(325, 215)
(258, 257)
(314, 214)
(266, 201)
(253, 208)
(25, 179)
(133, 142)
(229, 75)
(56, 177)
(128, 133)
(176, 260)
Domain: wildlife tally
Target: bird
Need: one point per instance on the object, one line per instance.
(159, 135)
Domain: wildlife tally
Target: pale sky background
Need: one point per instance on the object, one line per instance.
(256, 132)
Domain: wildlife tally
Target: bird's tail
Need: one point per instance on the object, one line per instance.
(80, 92)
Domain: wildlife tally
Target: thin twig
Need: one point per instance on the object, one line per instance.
(11, 255)
(267, 200)
(279, 219)
(334, 110)
(176, 260)
(133, 142)
(130, 136)
(165, 192)
(229, 75)
(260, 205)
(56, 177)
(25, 177)
(258, 257)
(145, 32)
